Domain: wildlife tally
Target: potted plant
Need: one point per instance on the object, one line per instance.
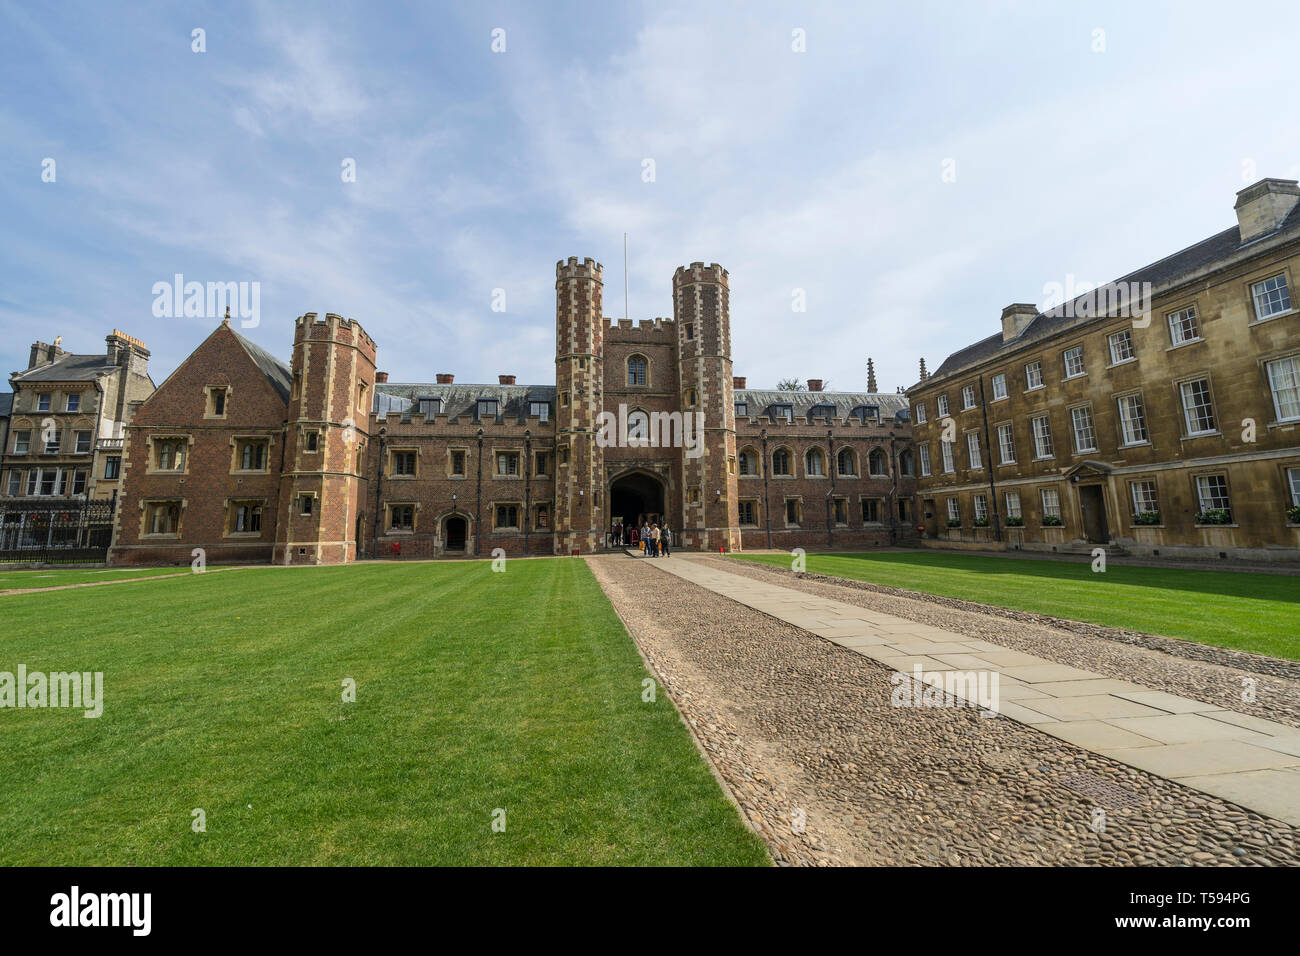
(1052, 521)
(981, 522)
(1147, 517)
(1214, 516)
(954, 522)
(1015, 521)
(1293, 514)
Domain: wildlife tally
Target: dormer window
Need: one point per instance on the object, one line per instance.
(540, 410)
(429, 407)
(783, 412)
(487, 408)
(742, 409)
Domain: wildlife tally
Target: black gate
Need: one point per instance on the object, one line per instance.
(55, 532)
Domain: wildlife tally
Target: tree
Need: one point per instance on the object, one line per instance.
(789, 385)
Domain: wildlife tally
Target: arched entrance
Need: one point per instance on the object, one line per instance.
(636, 497)
(456, 530)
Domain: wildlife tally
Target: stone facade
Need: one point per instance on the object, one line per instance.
(68, 418)
(347, 464)
(1172, 430)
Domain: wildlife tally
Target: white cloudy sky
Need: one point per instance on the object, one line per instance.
(816, 170)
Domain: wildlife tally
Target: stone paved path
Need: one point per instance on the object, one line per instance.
(1252, 762)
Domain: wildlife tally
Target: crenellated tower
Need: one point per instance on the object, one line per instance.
(322, 507)
(579, 373)
(702, 311)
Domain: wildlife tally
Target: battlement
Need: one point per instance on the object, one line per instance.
(573, 269)
(310, 326)
(699, 272)
(643, 331)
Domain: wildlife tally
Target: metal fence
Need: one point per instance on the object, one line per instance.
(55, 532)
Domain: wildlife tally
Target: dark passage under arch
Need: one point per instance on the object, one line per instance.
(635, 498)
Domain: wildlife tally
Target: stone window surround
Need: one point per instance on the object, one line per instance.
(1226, 473)
(230, 507)
(880, 509)
(1263, 276)
(390, 465)
(1197, 376)
(520, 464)
(297, 504)
(627, 371)
(835, 502)
(388, 516)
(1065, 372)
(1263, 362)
(755, 458)
(508, 503)
(798, 513)
(151, 458)
(451, 474)
(237, 443)
(146, 511)
(1117, 397)
(755, 503)
(208, 413)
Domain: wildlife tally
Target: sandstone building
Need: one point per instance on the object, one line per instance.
(324, 460)
(63, 437)
(1170, 429)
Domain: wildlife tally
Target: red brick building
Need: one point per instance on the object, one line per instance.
(645, 421)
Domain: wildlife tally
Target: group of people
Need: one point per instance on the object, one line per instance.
(656, 541)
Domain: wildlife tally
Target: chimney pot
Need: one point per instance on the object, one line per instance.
(814, 385)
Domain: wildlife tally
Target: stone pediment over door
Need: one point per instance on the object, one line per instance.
(1088, 470)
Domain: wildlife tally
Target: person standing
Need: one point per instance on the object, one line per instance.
(655, 535)
(666, 541)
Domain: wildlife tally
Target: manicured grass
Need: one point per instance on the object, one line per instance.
(474, 691)
(56, 577)
(1251, 612)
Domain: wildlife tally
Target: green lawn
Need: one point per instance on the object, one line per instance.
(55, 577)
(1251, 612)
(475, 691)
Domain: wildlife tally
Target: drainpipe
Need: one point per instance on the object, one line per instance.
(379, 491)
(993, 495)
(893, 490)
(478, 505)
(767, 504)
(528, 485)
(830, 495)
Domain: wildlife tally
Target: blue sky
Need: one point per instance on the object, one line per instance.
(819, 170)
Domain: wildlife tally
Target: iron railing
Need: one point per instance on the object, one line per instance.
(55, 531)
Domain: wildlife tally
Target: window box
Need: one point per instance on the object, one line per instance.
(1015, 521)
(1214, 516)
(1293, 515)
(1052, 521)
(954, 522)
(1147, 518)
(981, 522)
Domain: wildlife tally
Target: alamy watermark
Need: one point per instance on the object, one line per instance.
(35, 689)
(639, 429)
(1073, 299)
(179, 299)
(946, 689)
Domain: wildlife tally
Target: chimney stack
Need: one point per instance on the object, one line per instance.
(814, 385)
(505, 379)
(1261, 208)
(381, 378)
(737, 381)
(1015, 317)
(445, 378)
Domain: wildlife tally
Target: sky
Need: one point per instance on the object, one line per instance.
(902, 171)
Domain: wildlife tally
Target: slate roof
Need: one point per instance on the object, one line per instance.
(69, 368)
(1167, 270)
(276, 372)
(6, 404)
(760, 402)
(461, 400)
